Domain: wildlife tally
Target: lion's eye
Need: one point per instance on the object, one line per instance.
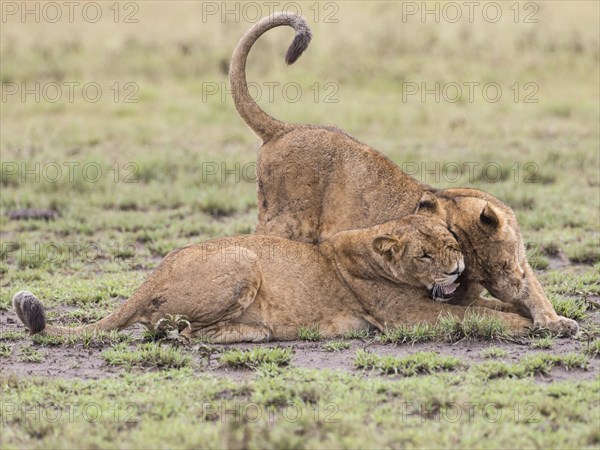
(454, 235)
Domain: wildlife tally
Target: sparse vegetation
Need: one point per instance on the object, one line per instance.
(386, 409)
(405, 334)
(493, 352)
(592, 349)
(536, 364)
(309, 333)
(569, 307)
(11, 336)
(448, 329)
(259, 356)
(30, 355)
(148, 354)
(97, 339)
(5, 350)
(362, 335)
(46, 340)
(542, 343)
(336, 346)
(417, 363)
(473, 326)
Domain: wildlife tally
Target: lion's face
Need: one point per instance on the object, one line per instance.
(490, 241)
(422, 252)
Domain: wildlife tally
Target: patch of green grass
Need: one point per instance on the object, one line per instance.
(148, 354)
(218, 206)
(538, 261)
(572, 361)
(309, 333)
(359, 334)
(270, 370)
(85, 289)
(589, 332)
(31, 355)
(593, 349)
(127, 252)
(417, 363)
(473, 326)
(493, 352)
(410, 334)
(586, 251)
(5, 350)
(47, 340)
(537, 333)
(537, 364)
(542, 343)
(30, 261)
(336, 346)
(302, 408)
(98, 338)
(569, 307)
(81, 315)
(252, 359)
(490, 370)
(569, 283)
(449, 329)
(12, 336)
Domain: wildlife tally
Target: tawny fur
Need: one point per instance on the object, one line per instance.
(260, 288)
(314, 181)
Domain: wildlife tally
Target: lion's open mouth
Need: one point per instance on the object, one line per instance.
(443, 293)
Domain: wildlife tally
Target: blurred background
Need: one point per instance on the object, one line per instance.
(132, 106)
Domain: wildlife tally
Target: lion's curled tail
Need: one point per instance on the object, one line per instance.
(259, 121)
(31, 312)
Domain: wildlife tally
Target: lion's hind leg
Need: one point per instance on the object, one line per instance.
(232, 332)
(210, 289)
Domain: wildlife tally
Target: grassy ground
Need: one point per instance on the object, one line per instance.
(129, 181)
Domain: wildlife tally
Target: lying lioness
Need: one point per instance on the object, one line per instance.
(260, 288)
(314, 181)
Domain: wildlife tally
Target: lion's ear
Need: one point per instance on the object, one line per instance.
(388, 246)
(490, 217)
(428, 205)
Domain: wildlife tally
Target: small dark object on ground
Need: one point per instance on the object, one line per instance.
(33, 214)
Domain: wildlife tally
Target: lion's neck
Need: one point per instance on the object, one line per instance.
(363, 275)
(351, 251)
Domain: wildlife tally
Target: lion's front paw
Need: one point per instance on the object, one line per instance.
(563, 326)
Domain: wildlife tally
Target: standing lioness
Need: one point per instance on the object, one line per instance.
(260, 288)
(314, 181)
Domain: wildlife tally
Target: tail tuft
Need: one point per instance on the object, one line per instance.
(299, 44)
(259, 121)
(30, 311)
